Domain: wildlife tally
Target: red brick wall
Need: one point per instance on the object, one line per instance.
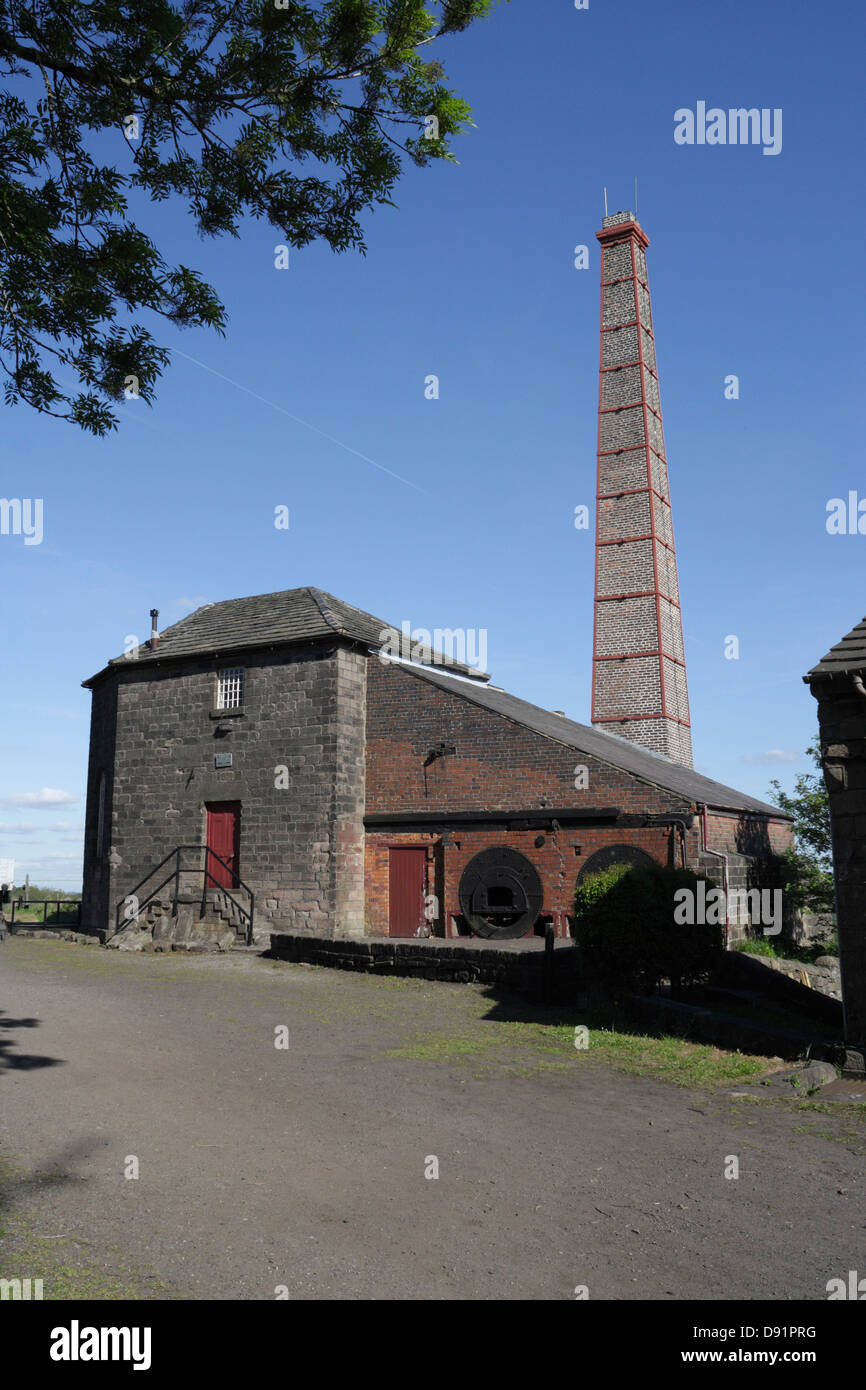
(499, 766)
(557, 861)
(745, 835)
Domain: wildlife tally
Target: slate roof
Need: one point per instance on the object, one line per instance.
(291, 615)
(609, 748)
(847, 656)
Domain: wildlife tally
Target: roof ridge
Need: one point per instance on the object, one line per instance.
(320, 600)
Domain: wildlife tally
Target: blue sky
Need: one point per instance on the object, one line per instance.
(756, 269)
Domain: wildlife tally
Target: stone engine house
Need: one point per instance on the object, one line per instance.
(263, 750)
(264, 765)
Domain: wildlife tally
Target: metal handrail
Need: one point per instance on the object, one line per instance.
(155, 870)
(240, 884)
(151, 895)
(207, 875)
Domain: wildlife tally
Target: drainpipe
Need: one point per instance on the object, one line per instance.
(683, 829)
(724, 858)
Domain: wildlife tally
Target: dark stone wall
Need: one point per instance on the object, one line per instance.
(842, 721)
(304, 711)
(97, 883)
(520, 971)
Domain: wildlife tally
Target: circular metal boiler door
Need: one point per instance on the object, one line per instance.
(500, 893)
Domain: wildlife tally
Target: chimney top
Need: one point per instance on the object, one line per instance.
(154, 635)
(617, 217)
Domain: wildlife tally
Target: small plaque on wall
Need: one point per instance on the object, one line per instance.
(222, 760)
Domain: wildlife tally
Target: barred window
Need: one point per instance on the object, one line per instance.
(230, 688)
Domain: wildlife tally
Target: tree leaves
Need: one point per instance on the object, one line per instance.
(809, 878)
(216, 104)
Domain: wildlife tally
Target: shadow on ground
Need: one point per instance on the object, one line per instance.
(21, 1061)
(16, 1188)
(760, 1028)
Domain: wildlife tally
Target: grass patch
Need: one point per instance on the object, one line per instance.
(760, 946)
(528, 1047)
(67, 1272)
(65, 1264)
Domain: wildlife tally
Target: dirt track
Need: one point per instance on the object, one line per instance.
(305, 1167)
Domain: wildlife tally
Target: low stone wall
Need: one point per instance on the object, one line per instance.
(58, 934)
(521, 971)
(811, 989)
(813, 926)
(822, 974)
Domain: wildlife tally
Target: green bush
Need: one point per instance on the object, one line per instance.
(626, 928)
(757, 946)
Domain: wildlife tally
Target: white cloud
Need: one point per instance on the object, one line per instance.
(45, 799)
(29, 827)
(772, 755)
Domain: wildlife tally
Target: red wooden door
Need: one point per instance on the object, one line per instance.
(223, 837)
(406, 890)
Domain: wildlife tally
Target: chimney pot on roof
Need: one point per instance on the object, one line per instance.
(154, 635)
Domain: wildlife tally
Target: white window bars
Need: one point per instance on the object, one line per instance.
(230, 688)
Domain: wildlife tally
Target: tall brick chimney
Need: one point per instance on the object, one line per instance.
(638, 671)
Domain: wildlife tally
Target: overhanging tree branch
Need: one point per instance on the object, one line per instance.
(230, 97)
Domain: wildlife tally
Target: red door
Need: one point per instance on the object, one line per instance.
(223, 837)
(406, 890)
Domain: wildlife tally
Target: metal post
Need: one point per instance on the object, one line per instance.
(549, 934)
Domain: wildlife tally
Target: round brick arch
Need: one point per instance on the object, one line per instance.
(616, 854)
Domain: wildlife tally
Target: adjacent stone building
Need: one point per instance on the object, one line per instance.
(838, 683)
